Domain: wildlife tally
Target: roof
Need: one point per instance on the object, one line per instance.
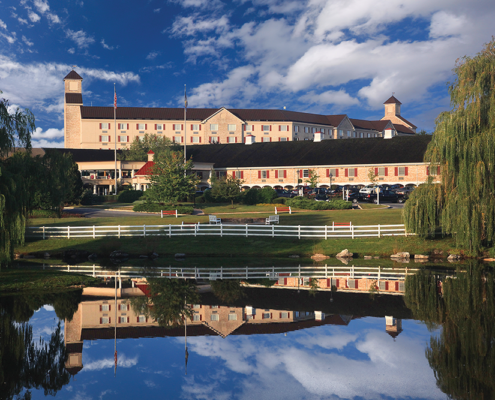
(88, 155)
(403, 129)
(73, 98)
(73, 75)
(200, 114)
(146, 169)
(406, 121)
(399, 150)
(370, 125)
(392, 100)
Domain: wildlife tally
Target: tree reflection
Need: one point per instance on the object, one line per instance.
(26, 363)
(166, 300)
(228, 291)
(463, 356)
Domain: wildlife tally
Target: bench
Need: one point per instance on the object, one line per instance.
(283, 209)
(168, 212)
(215, 220)
(272, 218)
(341, 224)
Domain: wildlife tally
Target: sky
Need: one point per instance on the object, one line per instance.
(317, 56)
(358, 361)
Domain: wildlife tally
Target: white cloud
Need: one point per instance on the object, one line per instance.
(27, 41)
(212, 4)
(71, 50)
(156, 10)
(48, 308)
(54, 19)
(37, 143)
(33, 16)
(194, 24)
(122, 362)
(3, 24)
(81, 39)
(10, 39)
(42, 6)
(51, 133)
(152, 55)
(106, 46)
(22, 21)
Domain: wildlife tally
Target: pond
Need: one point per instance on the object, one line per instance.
(254, 342)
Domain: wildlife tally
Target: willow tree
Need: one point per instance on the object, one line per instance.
(463, 148)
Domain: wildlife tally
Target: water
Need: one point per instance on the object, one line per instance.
(297, 346)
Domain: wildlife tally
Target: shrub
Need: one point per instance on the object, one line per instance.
(250, 196)
(209, 198)
(200, 199)
(157, 207)
(110, 198)
(130, 196)
(267, 195)
(88, 198)
(280, 200)
(43, 214)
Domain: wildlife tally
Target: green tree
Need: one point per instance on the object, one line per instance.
(172, 180)
(228, 290)
(372, 176)
(312, 178)
(227, 187)
(138, 151)
(15, 130)
(463, 146)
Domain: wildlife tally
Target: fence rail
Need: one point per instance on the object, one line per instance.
(220, 273)
(247, 230)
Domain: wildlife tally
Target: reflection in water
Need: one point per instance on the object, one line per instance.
(463, 356)
(26, 363)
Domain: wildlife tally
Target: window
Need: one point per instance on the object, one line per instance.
(105, 320)
(141, 138)
(141, 127)
(195, 139)
(334, 172)
(141, 318)
(238, 174)
(313, 130)
(249, 128)
(159, 127)
(232, 139)
(177, 127)
(104, 138)
(266, 315)
(213, 127)
(122, 307)
(382, 171)
(105, 307)
(402, 171)
(264, 174)
(305, 173)
(123, 126)
(283, 128)
(283, 139)
(220, 175)
(123, 139)
(266, 139)
(281, 173)
(296, 129)
(284, 315)
(122, 320)
(231, 127)
(341, 134)
(213, 139)
(434, 171)
(351, 172)
(265, 128)
(196, 317)
(348, 134)
(195, 127)
(214, 317)
(177, 139)
(105, 126)
(361, 134)
(232, 317)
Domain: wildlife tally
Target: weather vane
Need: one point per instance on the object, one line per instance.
(73, 67)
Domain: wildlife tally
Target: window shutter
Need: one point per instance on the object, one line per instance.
(396, 171)
(346, 172)
(300, 173)
(271, 316)
(128, 319)
(276, 173)
(100, 125)
(101, 320)
(127, 139)
(386, 285)
(191, 126)
(288, 315)
(270, 128)
(270, 139)
(109, 126)
(285, 281)
(182, 139)
(287, 128)
(210, 139)
(109, 307)
(279, 139)
(145, 127)
(137, 319)
(128, 307)
(218, 140)
(199, 126)
(201, 318)
(137, 126)
(236, 140)
(191, 139)
(259, 174)
(118, 320)
(386, 171)
(376, 171)
(267, 174)
(244, 128)
(407, 171)
(242, 174)
(355, 172)
(100, 138)
(285, 173)
(328, 173)
(200, 139)
(427, 171)
(101, 307)
(279, 128)
(438, 170)
(109, 138)
(181, 127)
(155, 128)
(280, 315)
(336, 173)
(262, 315)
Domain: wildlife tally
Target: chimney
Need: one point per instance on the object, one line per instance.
(151, 155)
(318, 137)
(250, 139)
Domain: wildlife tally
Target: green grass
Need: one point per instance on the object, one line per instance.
(25, 280)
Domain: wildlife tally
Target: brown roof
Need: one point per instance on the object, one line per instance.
(370, 125)
(73, 75)
(392, 100)
(406, 121)
(200, 114)
(73, 98)
(403, 129)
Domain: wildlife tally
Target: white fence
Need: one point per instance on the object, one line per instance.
(274, 273)
(298, 231)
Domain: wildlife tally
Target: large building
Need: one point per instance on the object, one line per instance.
(94, 127)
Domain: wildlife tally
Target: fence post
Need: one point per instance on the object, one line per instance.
(326, 273)
(68, 268)
(405, 231)
(94, 271)
(119, 231)
(221, 272)
(352, 231)
(170, 231)
(247, 232)
(325, 232)
(273, 231)
(94, 232)
(68, 232)
(333, 226)
(43, 233)
(299, 231)
(195, 234)
(144, 230)
(379, 274)
(221, 230)
(378, 230)
(247, 272)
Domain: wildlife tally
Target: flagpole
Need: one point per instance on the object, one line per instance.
(185, 124)
(115, 132)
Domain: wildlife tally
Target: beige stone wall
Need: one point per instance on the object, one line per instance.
(72, 117)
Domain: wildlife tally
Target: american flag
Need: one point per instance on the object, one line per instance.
(115, 100)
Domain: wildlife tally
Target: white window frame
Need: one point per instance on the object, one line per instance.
(214, 139)
(195, 139)
(333, 172)
(231, 139)
(296, 128)
(177, 139)
(214, 317)
(263, 174)
(232, 317)
(266, 315)
(122, 320)
(124, 139)
(159, 127)
(283, 139)
(265, 128)
(141, 127)
(305, 173)
(105, 307)
(105, 125)
(231, 127)
(237, 174)
(283, 128)
(105, 320)
(249, 128)
(213, 127)
(402, 171)
(105, 138)
(196, 317)
(195, 127)
(177, 127)
(284, 314)
(381, 171)
(142, 318)
(350, 172)
(266, 139)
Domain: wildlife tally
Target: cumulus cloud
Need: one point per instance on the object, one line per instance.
(53, 18)
(106, 46)
(51, 133)
(36, 143)
(10, 39)
(109, 362)
(194, 24)
(27, 41)
(42, 6)
(212, 4)
(3, 24)
(72, 50)
(81, 38)
(22, 21)
(156, 10)
(33, 16)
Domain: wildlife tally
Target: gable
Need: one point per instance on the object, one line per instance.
(223, 116)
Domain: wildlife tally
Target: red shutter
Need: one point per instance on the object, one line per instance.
(200, 127)
(280, 315)
(236, 140)
(242, 174)
(244, 128)
(100, 125)
(101, 307)
(397, 286)
(109, 138)
(181, 127)
(346, 172)
(267, 174)
(279, 128)
(218, 140)
(396, 171)
(137, 319)
(262, 315)
(210, 139)
(427, 171)
(109, 320)
(271, 316)
(438, 170)
(109, 307)
(127, 139)
(285, 281)
(336, 173)
(288, 315)
(137, 126)
(386, 285)
(101, 320)
(276, 173)
(285, 173)
(328, 173)
(145, 127)
(355, 172)
(128, 307)
(118, 321)
(182, 139)
(287, 128)
(406, 171)
(192, 127)
(109, 126)
(279, 139)
(200, 139)
(191, 139)
(259, 174)
(386, 171)
(127, 319)
(156, 128)
(300, 173)
(376, 171)
(270, 128)
(100, 138)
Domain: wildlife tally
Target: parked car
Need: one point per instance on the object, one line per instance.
(284, 193)
(321, 197)
(386, 196)
(367, 190)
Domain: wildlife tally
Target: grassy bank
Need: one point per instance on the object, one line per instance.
(40, 281)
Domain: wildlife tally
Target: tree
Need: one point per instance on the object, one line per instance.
(312, 178)
(228, 290)
(139, 149)
(171, 179)
(15, 130)
(463, 146)
(227, 187)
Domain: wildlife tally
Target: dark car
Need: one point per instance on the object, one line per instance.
(284, 193)
(386, 196)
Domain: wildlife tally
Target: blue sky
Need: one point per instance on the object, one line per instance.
(358, 361)
(321, 56)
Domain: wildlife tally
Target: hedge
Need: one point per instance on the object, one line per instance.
(130, 196)
(157, 207)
